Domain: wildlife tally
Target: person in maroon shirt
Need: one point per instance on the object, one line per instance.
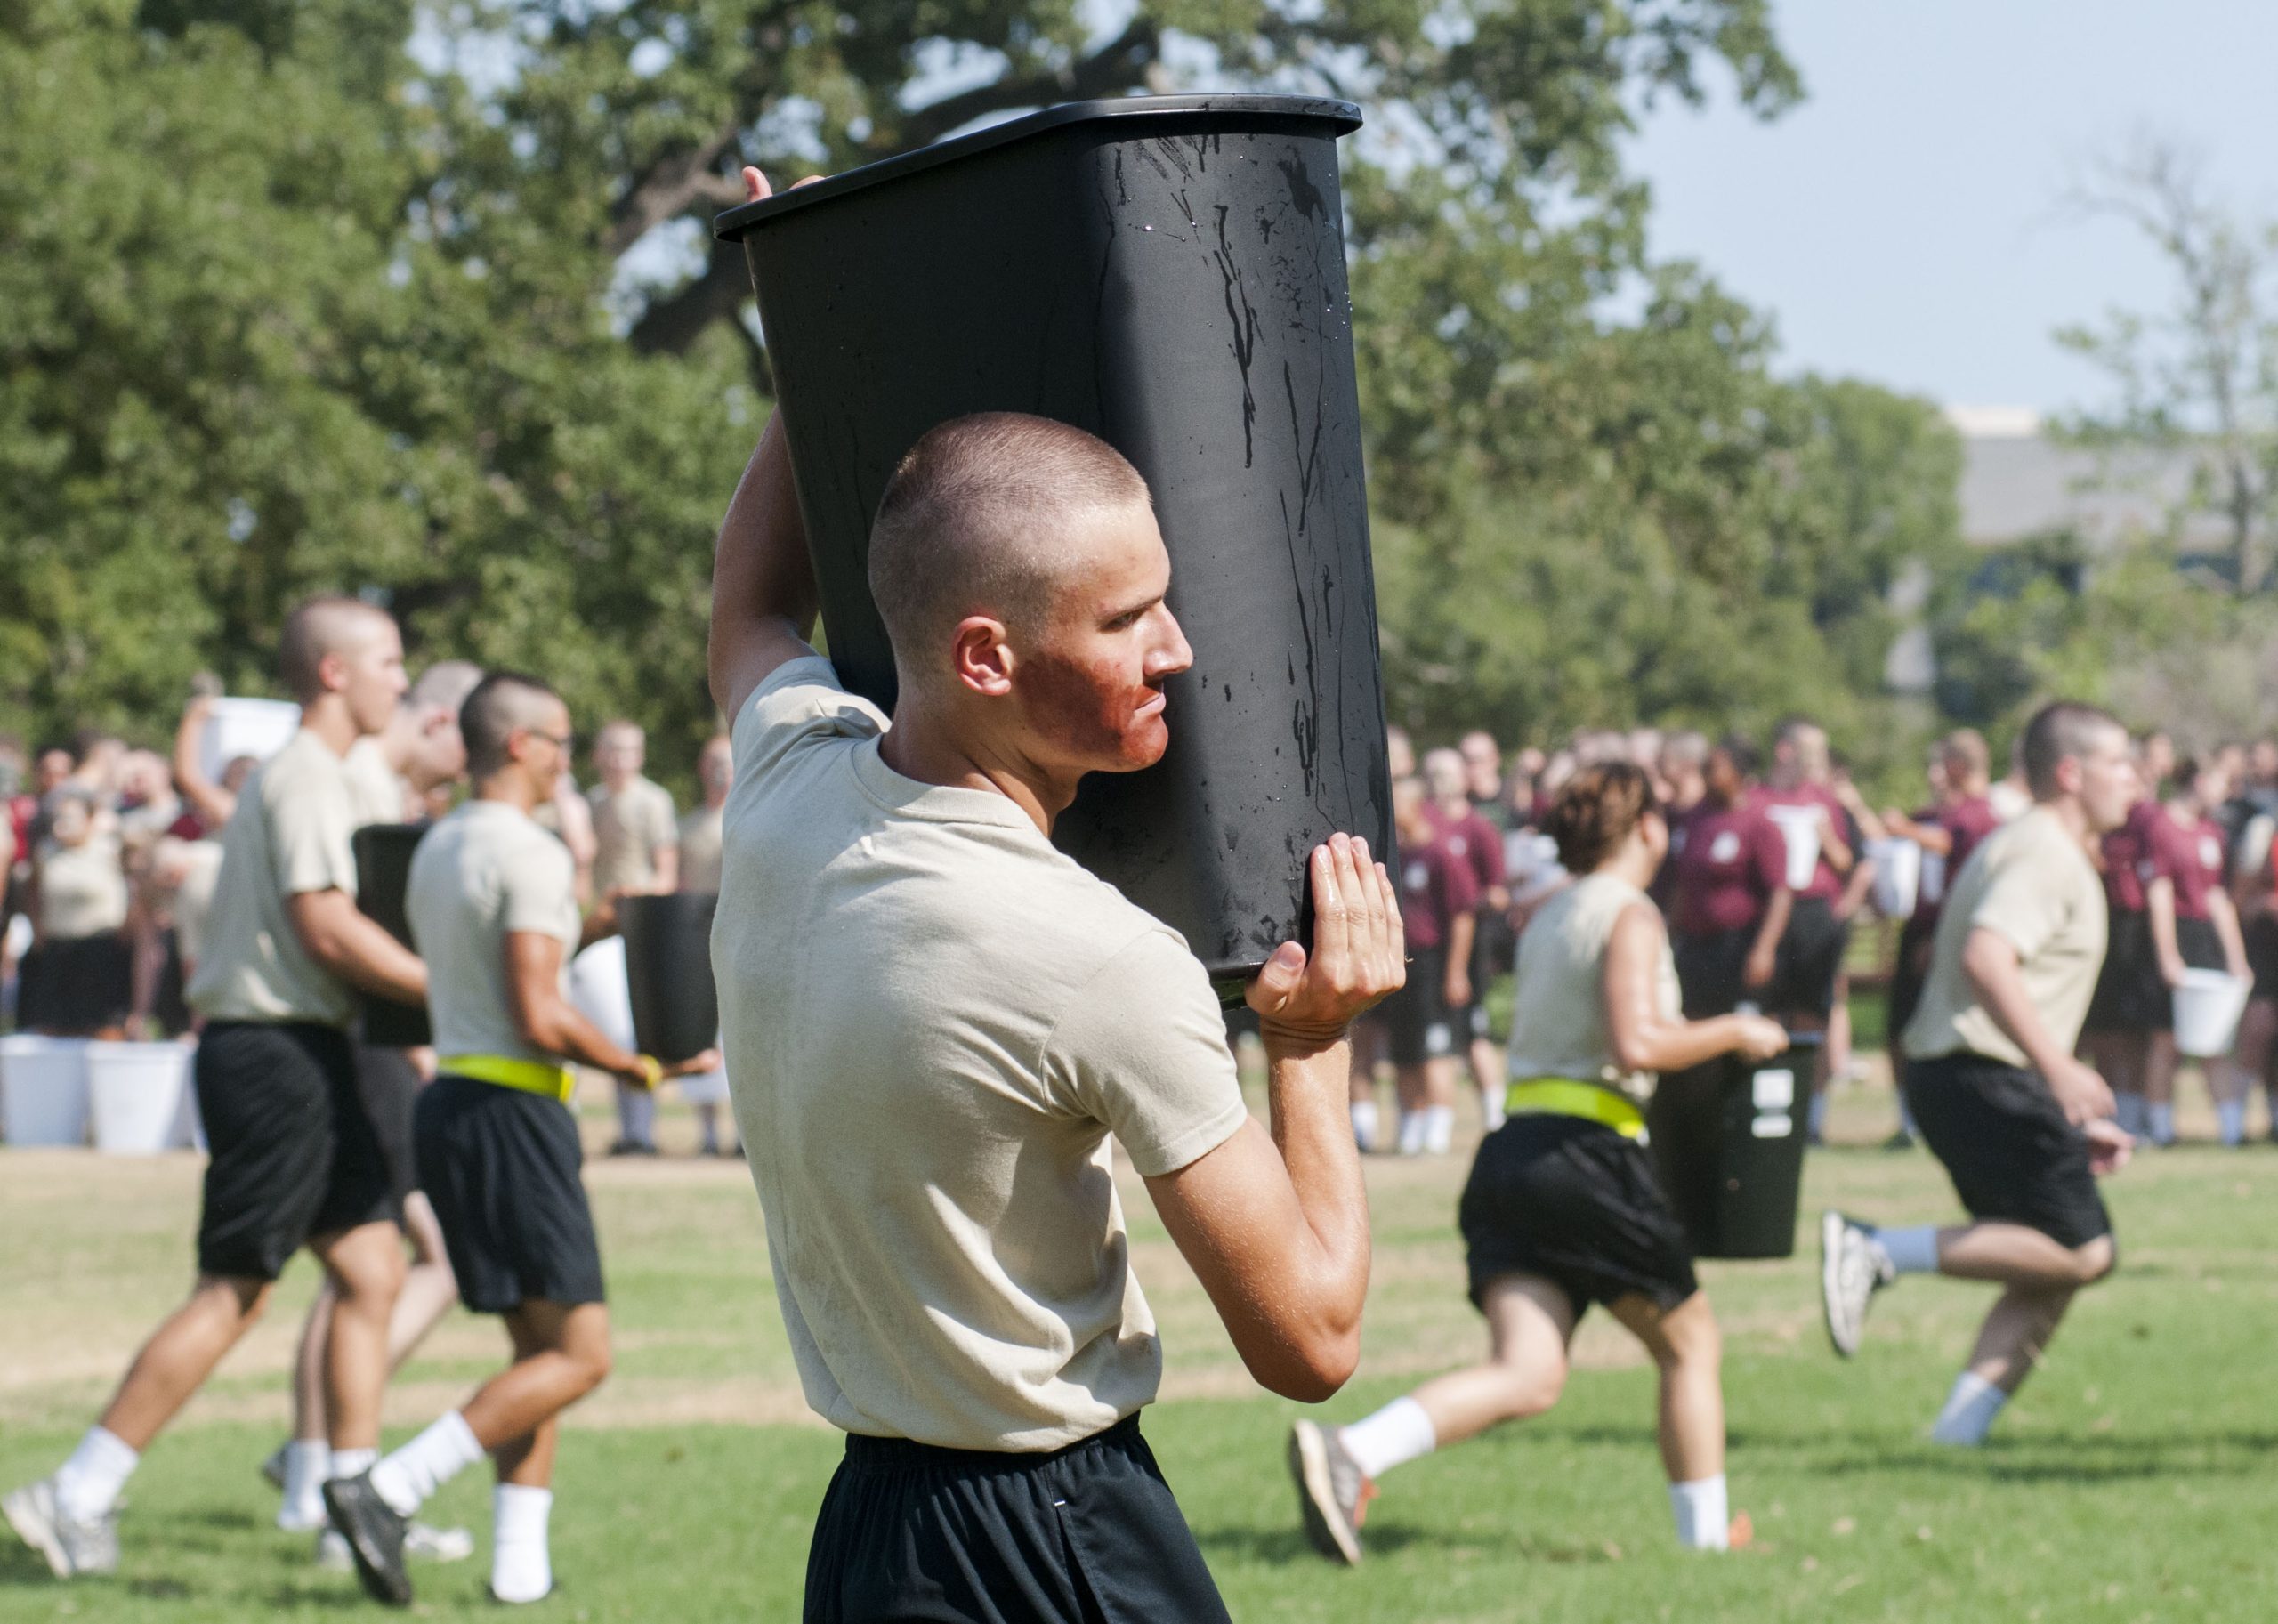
(1730, 902)
(1948, 831)
(1476, 843)
(2199, 930)
(1438, 897)
(2133, 1004)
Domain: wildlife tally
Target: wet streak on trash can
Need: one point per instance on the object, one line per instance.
(1168, 273)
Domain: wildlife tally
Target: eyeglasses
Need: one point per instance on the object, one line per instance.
(560, 742)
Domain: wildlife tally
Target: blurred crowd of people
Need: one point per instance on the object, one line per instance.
(110, 854)
(1776, 858)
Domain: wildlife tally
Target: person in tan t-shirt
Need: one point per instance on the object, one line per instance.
(2022, 1127)
(637, 851)
(699, 830)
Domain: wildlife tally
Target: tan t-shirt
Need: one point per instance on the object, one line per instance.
(378, 790)
(699, 849)
(289, 835)
(1558, 1020)
(2030, 882)
(485, 870)
(629, 827)
(933, 1018)
(82, 888)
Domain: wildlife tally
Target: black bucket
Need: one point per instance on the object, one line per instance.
(383, 875)
(669, 972)
(1168, 273)
(1728, 1142)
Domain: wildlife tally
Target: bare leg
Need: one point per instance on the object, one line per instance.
(309, 1423)
(1440, 1080)
(180, 1354)
(1530, 1321)
(429, 1289)
(1688, 1349)
(560, 1355)
(2017, 1333)
(366, 1266)
(2011, 1255)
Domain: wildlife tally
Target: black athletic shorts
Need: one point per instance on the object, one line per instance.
(1418, 1022)
(1810, 961)
(1909, 972)
(1712, 971)
(2131, 995)
(1088, 1534)
(500, 1168)
(2262, 955)
(1576, 1203)
(390, 1084)
(2005, 1145)
(294, 1155)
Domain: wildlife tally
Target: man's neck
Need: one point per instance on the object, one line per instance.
(2068, 811)
(918, 746)
(617, 783)
(509, 788)
(327, 718)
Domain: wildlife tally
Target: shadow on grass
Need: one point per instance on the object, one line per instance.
(2088, 1458)
(23, 1566)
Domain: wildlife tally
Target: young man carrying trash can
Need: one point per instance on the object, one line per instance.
(295, 1160)
(2022, 1127)
(927, 1084)
(493, 905)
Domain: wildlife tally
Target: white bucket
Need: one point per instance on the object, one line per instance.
(134, 1096)
(599, 990)
(43, 1091)
(1898, 877)
(2207, 1005)
(258, 728)
(1799, 827)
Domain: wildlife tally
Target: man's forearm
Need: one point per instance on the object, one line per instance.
(1307, 1092)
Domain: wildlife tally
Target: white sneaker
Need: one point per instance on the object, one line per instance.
(1852, 1266)
(420, 1539)
(71, 1545)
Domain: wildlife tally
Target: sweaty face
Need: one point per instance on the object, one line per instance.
(372, 669)
(1090, 678)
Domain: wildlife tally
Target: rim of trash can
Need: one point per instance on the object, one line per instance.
(1343, 116)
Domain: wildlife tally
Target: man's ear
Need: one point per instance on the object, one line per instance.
(332, 672)
(982, 656)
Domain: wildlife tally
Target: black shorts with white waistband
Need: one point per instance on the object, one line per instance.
(1078, 1536)
(1577, 1203)
(501, 1167)
(294, 1155)
(2005, 1142)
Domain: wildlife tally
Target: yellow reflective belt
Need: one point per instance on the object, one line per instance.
(1562, 1096)
(531, 1075)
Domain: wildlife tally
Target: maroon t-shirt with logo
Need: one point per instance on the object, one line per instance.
(1734, 859)
(1471, 840)
(1798, 806)
(2127, 857)
(2192, 855)
(1966, 822)
(1437, 888)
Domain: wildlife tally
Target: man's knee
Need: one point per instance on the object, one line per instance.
(367, 1264)
(248, 1295)
(1532, 1388)
(2097, 1259)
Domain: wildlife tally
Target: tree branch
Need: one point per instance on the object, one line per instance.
(672, 323)
(1120, 63)
(672, 185)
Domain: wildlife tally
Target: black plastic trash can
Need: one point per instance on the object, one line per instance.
(383, 877)
(669, 972)
(1728, 1141)
(1168, 273)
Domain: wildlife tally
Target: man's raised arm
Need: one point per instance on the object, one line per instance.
(763, 598)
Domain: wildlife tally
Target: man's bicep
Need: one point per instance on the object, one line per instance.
(745, 653)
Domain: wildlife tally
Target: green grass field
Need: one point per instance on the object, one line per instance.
(2136, 1479)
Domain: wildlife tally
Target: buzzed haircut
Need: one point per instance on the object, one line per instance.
(501, 704)
(1967, 745)
(620, 727)
(1742, 752)
(1687, 748)
(2062, 732)
(974, 522)
(317, 628)
(445, 684)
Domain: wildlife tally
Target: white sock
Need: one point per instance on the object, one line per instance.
(1439, 1128)
(1913, 1250)
(2127, 1110)
(354, 1463)
(1490, 1108)
(308, 1463)
(1969, 1411)
(88, 1484)
(1817, 1121)
(1411, 1133)
(522, 1569)
(406, 1477)
(2161, 1121)
(1399, 1433)
(1364, 1124)
(1704, 1520)
(2230, 1116)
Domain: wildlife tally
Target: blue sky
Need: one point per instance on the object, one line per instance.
(1906, 223)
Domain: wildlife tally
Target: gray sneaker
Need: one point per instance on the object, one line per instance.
(72, 1546)
(1852, 1266)
(428, 1543)
(1333, 1494)
(374, 1531)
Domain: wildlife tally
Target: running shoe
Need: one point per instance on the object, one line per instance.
(1333, 1493)
(1852, 1266)
(423, 1540)
(273, 1468)
(73, 1546)
(374, 1530)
